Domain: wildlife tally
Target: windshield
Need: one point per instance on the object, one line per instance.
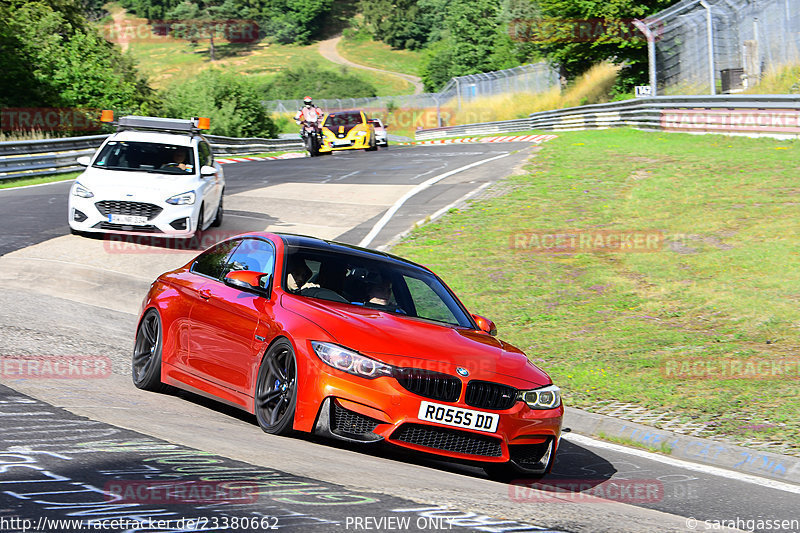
(148, 157)
(373, 283)
(343, 119)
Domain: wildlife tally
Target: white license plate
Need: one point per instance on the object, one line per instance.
(127, 219)
(342, 143)
(458, 417)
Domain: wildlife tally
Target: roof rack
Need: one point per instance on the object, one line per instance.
(133, 122)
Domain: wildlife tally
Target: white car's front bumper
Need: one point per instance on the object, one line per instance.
(107, 215)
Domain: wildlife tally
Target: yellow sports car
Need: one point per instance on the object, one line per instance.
(346, 130)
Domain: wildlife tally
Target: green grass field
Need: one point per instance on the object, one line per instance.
(167, 60)
(723, 286)
(22, 181)
(380, 55)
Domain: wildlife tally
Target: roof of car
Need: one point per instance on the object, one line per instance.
(315, 243)
(178, 139)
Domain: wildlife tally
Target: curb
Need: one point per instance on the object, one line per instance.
(506, 139)
(290, 155)
(710, 452)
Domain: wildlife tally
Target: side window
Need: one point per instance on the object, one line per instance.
(252, 254)
(204, 151)
(212, 262)
(428, 304)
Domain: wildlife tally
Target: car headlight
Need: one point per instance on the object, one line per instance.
(545, 398)
(185, 198)
(361, 133)
(350, 361)
(81, 191)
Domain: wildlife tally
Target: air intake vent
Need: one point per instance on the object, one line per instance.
(487, 395)
(434, 385)
(450, 440)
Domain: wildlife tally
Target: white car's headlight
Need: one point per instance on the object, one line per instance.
(186, 198)
(350, 361)
(81, 191)
(548, 397)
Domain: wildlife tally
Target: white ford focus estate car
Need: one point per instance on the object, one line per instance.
(154, 176)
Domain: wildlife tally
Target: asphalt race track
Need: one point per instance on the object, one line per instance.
(67, 443)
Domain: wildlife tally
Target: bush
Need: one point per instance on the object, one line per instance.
(317, 82)
(231, 102)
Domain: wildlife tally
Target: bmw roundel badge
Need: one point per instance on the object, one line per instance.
(462, 371)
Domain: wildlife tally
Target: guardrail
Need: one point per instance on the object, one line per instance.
(58, 156)
(753, 115)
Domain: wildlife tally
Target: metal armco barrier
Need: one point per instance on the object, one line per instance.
(752, 115)
(58, 156)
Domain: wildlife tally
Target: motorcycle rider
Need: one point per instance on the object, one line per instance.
(308, 113)
(309, 118)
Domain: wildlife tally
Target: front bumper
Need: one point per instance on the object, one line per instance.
(349, 142)
(91, 215)
(361, 410)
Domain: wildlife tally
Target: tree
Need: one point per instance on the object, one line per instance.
(231, 102)
(206, 21)
(51, 57)
(576, 35)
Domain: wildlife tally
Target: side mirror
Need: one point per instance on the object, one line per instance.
(386, 126)
(84, 160)
(207, 170)
(248, 280)
(485, 324)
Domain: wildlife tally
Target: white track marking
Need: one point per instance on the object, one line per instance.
(419, 188)
(688, 465)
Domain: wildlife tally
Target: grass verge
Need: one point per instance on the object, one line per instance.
(39, 180)
(722, 288)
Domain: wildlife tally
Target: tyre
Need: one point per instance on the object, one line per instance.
(372, 146)
(220, 212)
(197, 238)
(146, 362)
(276, 389)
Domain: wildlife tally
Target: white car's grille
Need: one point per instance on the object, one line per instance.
(139, 209)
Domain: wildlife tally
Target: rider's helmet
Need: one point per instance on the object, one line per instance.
(307, 100)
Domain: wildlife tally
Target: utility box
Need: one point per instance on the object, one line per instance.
(732, 80)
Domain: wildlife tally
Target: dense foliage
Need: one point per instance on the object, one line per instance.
(284, 21)
(231, 101)
(311, 78)
(51, 57)
(470, 36)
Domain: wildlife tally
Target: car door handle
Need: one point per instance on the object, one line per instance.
(205, 294)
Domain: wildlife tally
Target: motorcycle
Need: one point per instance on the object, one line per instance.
(312, 137)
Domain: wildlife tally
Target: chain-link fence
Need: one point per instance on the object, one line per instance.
(535, 78)
(735, 41)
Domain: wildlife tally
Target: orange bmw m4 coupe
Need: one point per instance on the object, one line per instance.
(327, 338)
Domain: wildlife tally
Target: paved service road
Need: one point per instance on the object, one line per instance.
(72, 295)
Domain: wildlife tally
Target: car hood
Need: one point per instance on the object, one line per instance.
(409, 342)
(135, 186)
